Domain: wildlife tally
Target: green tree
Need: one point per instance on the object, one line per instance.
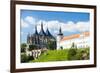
(72, 54)
(32, 47)
(50, 45)
(74, 46)
(61, 47)
(23, 47)
(25, 58)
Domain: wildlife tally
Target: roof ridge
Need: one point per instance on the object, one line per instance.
(75, 36)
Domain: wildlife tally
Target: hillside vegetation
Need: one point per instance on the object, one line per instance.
(63, 55)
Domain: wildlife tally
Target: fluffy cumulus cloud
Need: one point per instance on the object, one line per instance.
(54, 25)
(74, 27)
(30, 20)
(70, 26)
(24, 24)
(27, 21)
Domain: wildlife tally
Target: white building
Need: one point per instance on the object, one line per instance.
(80, 40)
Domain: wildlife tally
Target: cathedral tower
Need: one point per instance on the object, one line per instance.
(59, 37)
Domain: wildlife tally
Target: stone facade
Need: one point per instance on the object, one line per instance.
(41, 39)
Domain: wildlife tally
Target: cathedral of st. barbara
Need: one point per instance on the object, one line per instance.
(42, 39)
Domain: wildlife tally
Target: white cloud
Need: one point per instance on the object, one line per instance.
(73, 27)
(56, 32)
(27, 21)
(82, 26)
(30, 20)
(66, 27)
(54, 25)
(51, 25)
(38, 28)
(24, 24)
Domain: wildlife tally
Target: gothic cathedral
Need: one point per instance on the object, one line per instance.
(42, 39)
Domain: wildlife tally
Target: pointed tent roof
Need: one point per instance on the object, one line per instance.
(36, 33)
(48, 33)
(42, 31)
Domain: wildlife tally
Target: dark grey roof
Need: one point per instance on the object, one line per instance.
(48, 33)
(36, 33)
(42, 31)
(60, 32)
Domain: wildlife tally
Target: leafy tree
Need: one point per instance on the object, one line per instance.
(32, 47)
(73, 45)
(25, 58)
(82, 54)
(72, 53)
(50, 45)
(61, 47)
(23, 47)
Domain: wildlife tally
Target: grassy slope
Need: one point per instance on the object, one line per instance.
(52, 55)
(60, 55)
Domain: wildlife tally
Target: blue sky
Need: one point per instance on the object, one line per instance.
(70, 22)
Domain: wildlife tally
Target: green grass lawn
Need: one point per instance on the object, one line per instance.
(62, 55)
(52, 55)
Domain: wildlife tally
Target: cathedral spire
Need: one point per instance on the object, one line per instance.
(41, 26)
(42, 31)
(48, 33)
(36, 30)
(60, 31)
(28, 38)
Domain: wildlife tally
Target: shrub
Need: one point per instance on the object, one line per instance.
(71, 54)
(32, 47)
(85, 54)
(25, 58)
(23, 50)
(82, 54)
(23, 47)
(78, 54)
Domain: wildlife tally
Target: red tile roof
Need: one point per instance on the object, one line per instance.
(86, 34)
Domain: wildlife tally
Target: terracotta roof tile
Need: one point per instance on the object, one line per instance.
(75, 36)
